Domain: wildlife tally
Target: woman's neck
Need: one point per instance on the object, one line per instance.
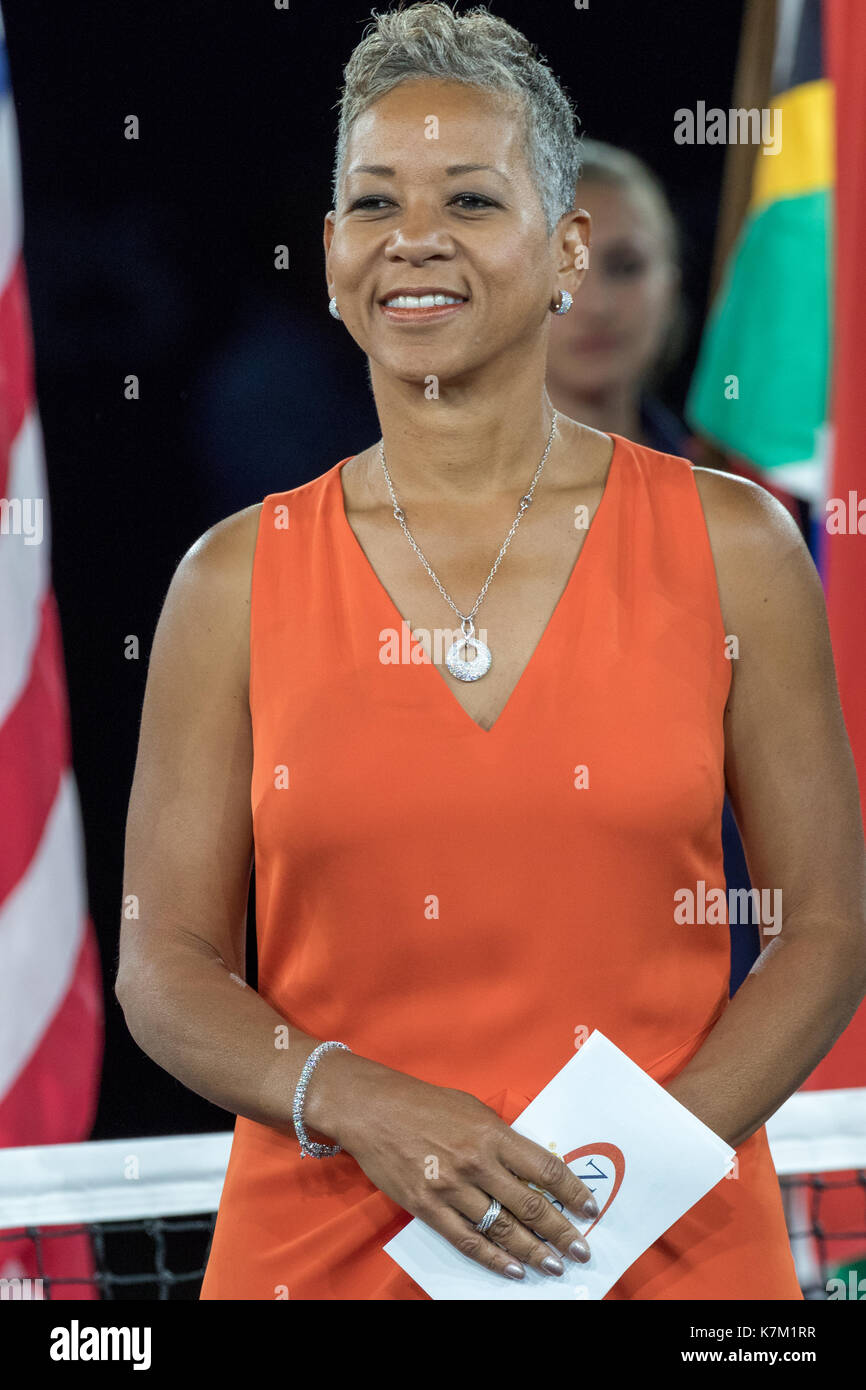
(615, 409)
(465, 444)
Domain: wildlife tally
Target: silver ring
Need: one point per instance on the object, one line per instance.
(489, 1217)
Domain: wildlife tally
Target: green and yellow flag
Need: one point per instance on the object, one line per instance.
(761, 385)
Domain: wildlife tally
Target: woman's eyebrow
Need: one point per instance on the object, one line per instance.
(471, 169)
(385, 170)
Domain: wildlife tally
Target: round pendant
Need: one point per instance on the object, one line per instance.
(477, 666)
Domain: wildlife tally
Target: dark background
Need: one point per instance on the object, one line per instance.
(156, 257)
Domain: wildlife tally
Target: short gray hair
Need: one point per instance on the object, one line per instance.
(481, 50)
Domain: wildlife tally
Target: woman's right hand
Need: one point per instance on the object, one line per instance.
(443, 1154)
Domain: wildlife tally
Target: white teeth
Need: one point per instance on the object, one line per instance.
(424, 301)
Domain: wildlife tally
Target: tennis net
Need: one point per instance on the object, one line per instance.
(133, 1218)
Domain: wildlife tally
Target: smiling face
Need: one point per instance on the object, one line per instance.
(616, 328)
(422, 221)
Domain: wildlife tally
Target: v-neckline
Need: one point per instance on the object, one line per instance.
(555, 617)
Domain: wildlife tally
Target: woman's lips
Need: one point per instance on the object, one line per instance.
(425, 315)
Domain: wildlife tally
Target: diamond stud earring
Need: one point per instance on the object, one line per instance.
(566, 299)
(335, 313)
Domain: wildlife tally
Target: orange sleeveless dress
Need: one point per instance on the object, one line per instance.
(397, 801)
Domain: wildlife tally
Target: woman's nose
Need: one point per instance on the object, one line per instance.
(419, 232)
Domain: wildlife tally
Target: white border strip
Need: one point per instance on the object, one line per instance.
(819, 1132)
(112, 1180)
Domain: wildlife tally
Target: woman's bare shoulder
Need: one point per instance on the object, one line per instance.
(757, 546)
(228, 546)
(208, 600)
(220, 562)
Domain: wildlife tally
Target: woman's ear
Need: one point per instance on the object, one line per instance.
(327, 238)
(576, 237)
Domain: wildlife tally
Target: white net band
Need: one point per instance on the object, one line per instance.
(121, 1179)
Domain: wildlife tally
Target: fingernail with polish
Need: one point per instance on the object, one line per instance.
(515, 1271)
(589, 1208)
(579, 1250)
(552, 1265)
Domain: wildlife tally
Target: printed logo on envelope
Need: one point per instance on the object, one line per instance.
(601, 1166)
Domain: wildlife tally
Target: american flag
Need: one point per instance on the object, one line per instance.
(51, 1021)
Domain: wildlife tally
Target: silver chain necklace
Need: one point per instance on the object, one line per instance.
(479, 663)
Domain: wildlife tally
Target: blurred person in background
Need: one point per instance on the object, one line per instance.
(628, 325)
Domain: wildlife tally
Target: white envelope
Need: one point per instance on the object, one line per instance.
(645, 1157)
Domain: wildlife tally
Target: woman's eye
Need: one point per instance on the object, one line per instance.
(477, 201)
(477, 198)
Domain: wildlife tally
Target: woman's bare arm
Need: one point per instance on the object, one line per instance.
(189, 846)
(793, 787)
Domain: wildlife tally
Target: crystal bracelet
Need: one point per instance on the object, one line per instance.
(308, 1147)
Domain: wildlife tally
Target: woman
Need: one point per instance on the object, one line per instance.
(438, 889)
